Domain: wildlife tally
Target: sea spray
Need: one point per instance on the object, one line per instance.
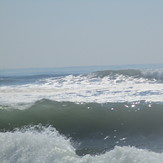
(46, 145)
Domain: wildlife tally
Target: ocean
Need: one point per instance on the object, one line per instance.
(96, 114)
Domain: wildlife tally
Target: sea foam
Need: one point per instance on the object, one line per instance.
(48, 146)
(84, 88)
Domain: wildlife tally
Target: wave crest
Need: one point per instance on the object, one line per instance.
(156, 74)
(149, 74)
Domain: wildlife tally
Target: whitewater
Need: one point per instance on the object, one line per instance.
(49, 146)
(85, 115)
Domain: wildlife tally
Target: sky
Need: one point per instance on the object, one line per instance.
(62, 33)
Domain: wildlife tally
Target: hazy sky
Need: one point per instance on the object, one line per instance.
(50, 33)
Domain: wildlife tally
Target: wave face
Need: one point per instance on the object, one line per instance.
(156, 74)
(146, 73)
(109, 124)
(127, 72)
(91, 117)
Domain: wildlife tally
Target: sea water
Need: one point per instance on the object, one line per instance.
(109, 114)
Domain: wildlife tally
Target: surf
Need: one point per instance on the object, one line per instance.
(47, 145)
(94, 115)
(95, 128)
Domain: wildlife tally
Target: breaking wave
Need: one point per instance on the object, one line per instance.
(74, 116)
(47, 145)
(149, 74)
(101, 87)
(66, 117)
